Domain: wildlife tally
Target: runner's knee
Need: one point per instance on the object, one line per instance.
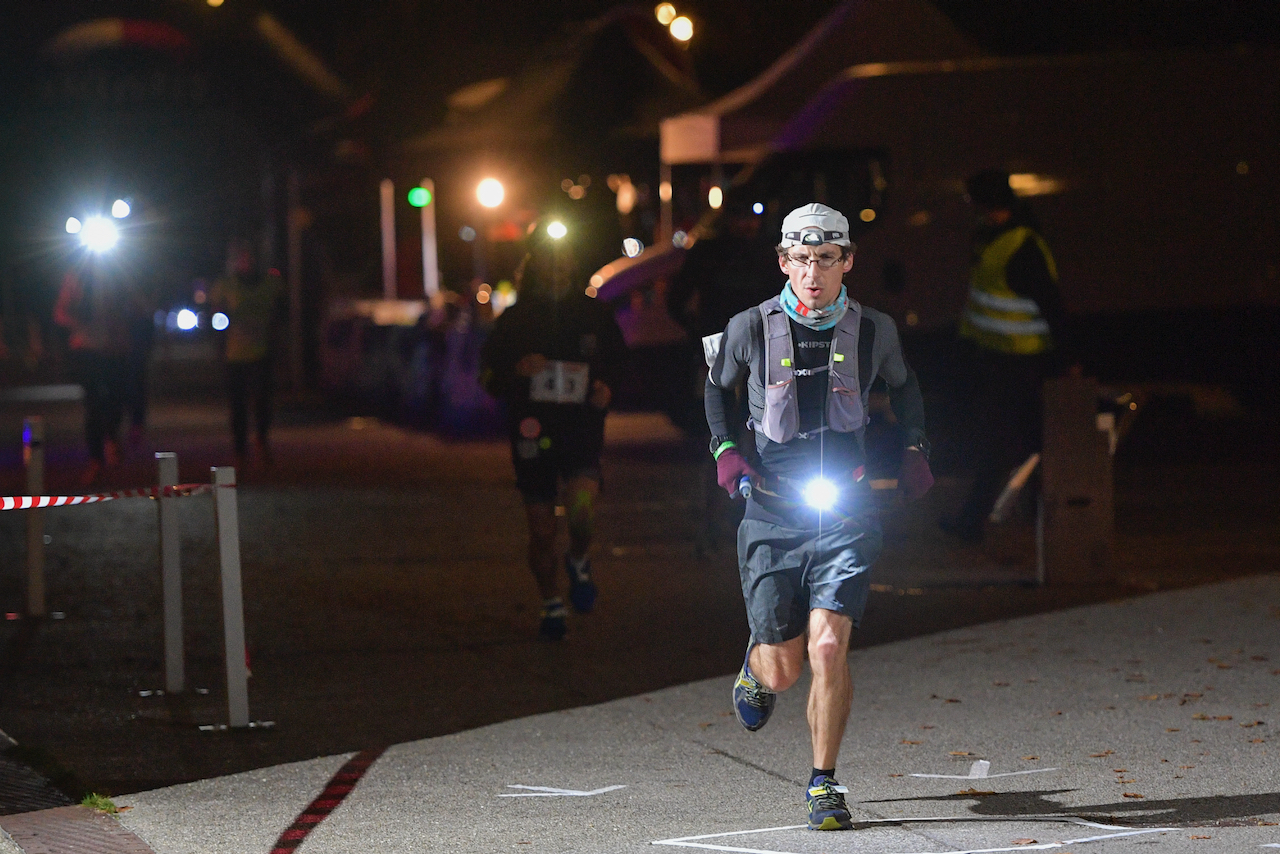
(581, 513)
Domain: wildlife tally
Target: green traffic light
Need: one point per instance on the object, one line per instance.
(419, 197)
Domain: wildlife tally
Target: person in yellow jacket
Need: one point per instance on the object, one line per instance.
(1013, 327)
(251, 299)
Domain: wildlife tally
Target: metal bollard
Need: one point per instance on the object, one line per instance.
(224, 495)
(171, 576)
(33, 458)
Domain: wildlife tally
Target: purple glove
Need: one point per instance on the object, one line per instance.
(730, 467)
(914, 478)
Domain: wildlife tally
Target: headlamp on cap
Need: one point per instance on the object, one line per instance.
(815, 224)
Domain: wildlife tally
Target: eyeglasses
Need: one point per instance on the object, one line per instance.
(824, 262)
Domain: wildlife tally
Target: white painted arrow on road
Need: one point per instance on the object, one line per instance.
(548, 792)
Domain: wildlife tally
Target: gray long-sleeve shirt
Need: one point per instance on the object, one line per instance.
(879, 355)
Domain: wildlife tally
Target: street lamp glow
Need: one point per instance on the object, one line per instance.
(120, 209)
(490, 192)
(681, 29)
(556, 229)
(187, 319)
(219, 321)
(715, 198)
(666, 13)
(73, 225)
(99, 234)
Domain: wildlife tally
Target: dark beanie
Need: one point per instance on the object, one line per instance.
(990, 189)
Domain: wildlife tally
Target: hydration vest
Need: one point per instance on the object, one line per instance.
(995, 316)
(845, 412)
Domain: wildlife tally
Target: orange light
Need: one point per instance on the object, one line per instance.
(490, 192)
(681, 29)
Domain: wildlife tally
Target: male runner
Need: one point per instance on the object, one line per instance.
(554, 358)
(809, 533)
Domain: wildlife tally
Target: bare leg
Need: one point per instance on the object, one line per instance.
(777, 666)
(581, 511)
(831, 694)
(542, 547)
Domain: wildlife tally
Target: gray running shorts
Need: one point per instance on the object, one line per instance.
(786, 572)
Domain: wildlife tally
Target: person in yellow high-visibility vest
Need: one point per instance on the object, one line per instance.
(1011, 326)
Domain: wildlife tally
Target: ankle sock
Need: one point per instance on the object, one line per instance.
(829, 773)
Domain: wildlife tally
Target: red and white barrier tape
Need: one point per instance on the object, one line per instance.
(29, 502)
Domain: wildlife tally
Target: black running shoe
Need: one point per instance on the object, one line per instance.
(552, 627)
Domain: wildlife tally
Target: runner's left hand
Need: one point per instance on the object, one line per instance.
(601, 395)
(914, 478)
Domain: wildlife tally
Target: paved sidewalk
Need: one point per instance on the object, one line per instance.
(1144, 722)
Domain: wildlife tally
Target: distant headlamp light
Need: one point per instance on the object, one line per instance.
(99, 234)
(820, 494)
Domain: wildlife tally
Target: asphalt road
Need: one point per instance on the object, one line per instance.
(387, 599)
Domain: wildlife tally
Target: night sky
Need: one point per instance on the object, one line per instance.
(400, 59)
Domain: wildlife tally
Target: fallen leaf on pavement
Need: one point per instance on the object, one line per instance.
(972, 791)
(1029, 758)
(1100, 755)
(908, 741)
(1133, 795)
(1024, 842)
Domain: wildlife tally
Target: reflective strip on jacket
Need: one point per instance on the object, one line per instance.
(995, 316)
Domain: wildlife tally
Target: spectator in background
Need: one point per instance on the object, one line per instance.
(1011, 325)
(252, 300)
(91, 307)
(142, 332)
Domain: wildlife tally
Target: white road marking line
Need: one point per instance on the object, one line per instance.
(978, 771)
(549, 792)
(690, 841)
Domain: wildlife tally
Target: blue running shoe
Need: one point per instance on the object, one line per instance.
(582, 590)
(552, 627)
(752, 702)
(827, 809)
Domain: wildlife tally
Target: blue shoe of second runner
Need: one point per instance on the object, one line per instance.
(752, 702)
(582, 590)
(827, 809)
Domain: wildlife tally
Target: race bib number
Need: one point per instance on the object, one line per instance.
(560, 382)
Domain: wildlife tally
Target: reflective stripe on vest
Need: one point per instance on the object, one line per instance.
(996, 317)
(845, 412)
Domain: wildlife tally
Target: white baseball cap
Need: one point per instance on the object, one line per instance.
(815, 224)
